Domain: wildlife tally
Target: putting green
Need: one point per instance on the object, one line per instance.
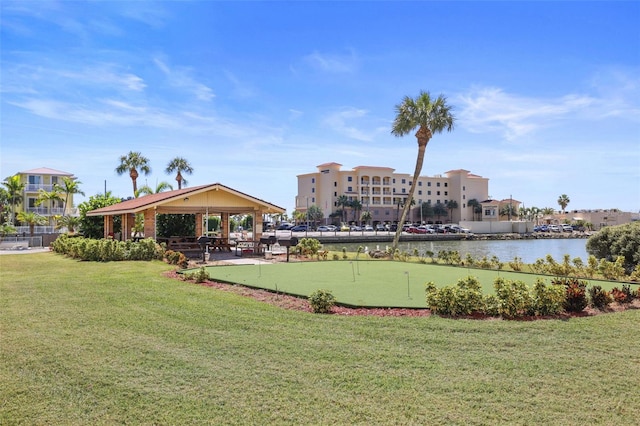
(359, 283)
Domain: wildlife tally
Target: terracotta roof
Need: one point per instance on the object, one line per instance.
(373, 167)
(329, 164)
(139, 204)
(45, 171)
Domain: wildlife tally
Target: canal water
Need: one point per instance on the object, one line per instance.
(528, 250)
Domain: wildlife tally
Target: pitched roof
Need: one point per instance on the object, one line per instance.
(137, 205)
(45, 171)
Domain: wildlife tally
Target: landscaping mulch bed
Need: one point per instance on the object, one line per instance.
(286, 301)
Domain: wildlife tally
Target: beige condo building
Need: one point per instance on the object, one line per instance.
(382, 192)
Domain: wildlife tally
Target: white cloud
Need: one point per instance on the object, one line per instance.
(179, 77)
(493, 110)
(332, 63)
(343, 122)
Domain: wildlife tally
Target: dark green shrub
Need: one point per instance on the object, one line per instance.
(576, 293)
(321, 301)
(599, 298)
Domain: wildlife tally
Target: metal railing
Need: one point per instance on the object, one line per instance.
(15, 241)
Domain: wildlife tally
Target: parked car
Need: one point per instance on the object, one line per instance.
(299, 228)
(345, 228)
(555, 228)
(367, 228)
(393, 227)
(567, 228)
(381, 227)
(356, 228)
(326, 228)
(285, 226)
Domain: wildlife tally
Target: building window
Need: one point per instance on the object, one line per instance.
(446, 192)
(419, 183)
(313, 200)
(349, 189)
(438, 193)
(313, 180)
(429, 192)
(313, 190)
(419, 191)
(464, 197)
(428, 183)
(394, 180)
(404, 181)
(438, 184)
(335, 194)
(446, 184)
(464, 188)
(404, 190)
(335, 184)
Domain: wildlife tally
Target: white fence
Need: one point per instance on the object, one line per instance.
(20, 243)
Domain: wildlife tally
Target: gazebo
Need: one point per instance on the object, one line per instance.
(203, 201)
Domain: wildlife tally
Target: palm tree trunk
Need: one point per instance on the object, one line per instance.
(133, 173)
(423, 135)
(179, 179)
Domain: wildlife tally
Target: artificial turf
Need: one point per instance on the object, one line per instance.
(367, 283)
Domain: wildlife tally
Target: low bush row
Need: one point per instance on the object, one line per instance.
(107, 250)
(514, 299)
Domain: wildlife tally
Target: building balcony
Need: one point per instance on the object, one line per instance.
(35, 187)
(46, 211)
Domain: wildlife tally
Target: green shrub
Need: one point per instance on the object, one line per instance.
(199, 276)
(309, 246)
(516, 264)
(599, 298)
(321, 301)
(491, 305)
(464, 298)
(107, 250)
(514, 297)
(548, 300)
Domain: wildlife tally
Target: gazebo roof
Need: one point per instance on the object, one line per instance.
(214, 198)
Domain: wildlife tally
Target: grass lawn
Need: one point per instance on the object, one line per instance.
(368, 283)
(106, 343)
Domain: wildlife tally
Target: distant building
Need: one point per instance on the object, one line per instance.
(44, 178)
(382, 192)
(598, 218)
(498, 210)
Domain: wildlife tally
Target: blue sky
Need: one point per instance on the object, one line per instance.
(546, 94)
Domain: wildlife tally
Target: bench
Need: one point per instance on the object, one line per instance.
(248, 247)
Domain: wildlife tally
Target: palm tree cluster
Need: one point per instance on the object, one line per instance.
(135, 163)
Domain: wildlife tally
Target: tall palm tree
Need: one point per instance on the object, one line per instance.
(475, 205)
(343, 201)
(14, 190)
(430, 116)
(179, 165)
(451, 205)
(563, 201)
(131, 163)
(69, 187)
(356, 205)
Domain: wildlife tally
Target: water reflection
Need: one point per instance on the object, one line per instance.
(528, 250)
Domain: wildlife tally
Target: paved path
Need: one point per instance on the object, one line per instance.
(30, 250)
